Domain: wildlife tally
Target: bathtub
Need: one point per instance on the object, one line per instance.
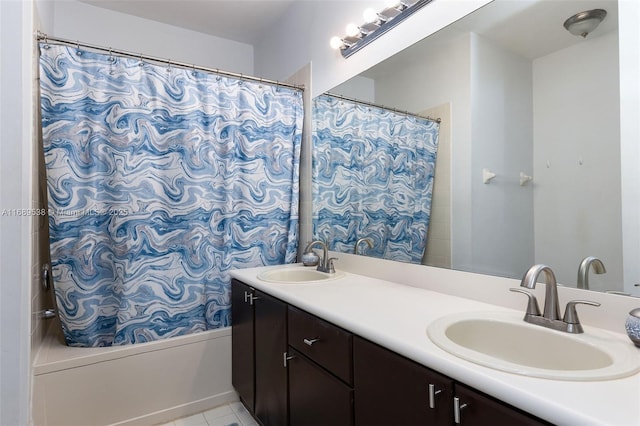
(141, 384)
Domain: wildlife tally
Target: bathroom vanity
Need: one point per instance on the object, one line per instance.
(355, 351)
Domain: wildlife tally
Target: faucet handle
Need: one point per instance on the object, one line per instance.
(331, 268)
(570, 313)
(532, 304)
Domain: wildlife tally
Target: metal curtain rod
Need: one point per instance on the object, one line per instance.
(55, 40)
(371, 104)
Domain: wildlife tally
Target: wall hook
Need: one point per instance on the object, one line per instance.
(487, 175)
(525, 178)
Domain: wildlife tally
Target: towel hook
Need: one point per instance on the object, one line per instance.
(525, 178)
(487, 175)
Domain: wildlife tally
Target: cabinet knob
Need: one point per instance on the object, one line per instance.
(432, 395)
(457, 408)
(310, 342)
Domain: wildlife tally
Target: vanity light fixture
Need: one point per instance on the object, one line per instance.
(582, 23)
(375, 24)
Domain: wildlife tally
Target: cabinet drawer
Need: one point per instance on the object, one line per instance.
(324, 343)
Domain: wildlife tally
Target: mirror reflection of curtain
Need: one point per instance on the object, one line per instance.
(373, 175)
(160, 181)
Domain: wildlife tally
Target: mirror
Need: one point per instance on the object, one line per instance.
(521, 98)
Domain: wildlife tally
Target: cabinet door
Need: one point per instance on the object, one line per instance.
(317, 398)
(482, 410)
(242, 366)
(392, 390)
(270, 348)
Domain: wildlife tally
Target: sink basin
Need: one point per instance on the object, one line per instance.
(503, 341)
(297, 275)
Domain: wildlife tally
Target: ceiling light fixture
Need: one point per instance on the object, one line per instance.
(581, 24)
(375, 24)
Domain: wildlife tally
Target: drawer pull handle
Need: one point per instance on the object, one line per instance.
(248, 297)
(286, 358)
(310, 342)
(457, 408)
(432, 395)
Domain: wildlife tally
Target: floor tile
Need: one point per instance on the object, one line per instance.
(222, 411)
(228, 420)
(195, 420)
(245, 417)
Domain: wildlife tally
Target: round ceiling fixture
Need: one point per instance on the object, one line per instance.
(582, 23)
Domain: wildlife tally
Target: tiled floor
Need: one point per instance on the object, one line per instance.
(233, 414)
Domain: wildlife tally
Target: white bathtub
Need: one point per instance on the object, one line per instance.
(141, 384)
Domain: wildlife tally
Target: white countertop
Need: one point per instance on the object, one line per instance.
(396, 316)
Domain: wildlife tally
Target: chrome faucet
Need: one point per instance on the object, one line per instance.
(583, 270)
(326, 263)
(551, 305)
(360, 240)
(550, 317)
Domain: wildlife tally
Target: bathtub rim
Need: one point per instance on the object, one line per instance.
(54, 355)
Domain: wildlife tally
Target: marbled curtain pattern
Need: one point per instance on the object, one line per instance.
(372, 177)
(160, 180)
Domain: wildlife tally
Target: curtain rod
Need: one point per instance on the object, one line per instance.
(371, 104)
(55, 40)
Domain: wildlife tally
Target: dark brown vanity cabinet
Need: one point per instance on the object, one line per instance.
(393, 390)
(259, 343)
(473, 408)
(291, 368)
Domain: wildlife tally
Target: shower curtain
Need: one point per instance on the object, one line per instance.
(160, 180)
(373, 175)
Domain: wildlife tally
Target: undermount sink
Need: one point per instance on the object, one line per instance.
(297, 275)
(503, 341)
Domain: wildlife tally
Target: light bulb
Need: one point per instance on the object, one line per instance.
(352, 30)
(392, 3)
(335, 42)
(370, 16)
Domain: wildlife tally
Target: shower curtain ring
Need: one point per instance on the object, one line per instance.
(78, 51)
(141, 63)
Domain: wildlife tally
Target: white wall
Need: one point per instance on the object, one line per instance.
(303, 35)
(577, 160)
(358, 87)
(16, 77)
(502, 241)
(79, 21)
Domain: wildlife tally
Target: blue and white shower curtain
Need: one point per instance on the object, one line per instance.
(373, 173)
(160, 180)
